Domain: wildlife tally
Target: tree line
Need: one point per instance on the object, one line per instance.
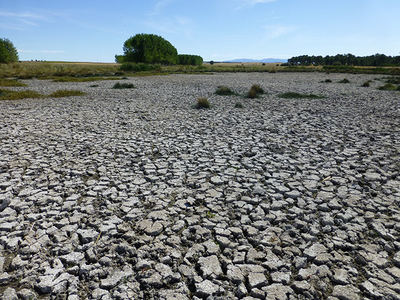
(345, 59)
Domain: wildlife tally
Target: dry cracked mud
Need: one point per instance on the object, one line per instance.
(134, 194)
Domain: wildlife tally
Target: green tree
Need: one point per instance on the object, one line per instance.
(8, 53)
(187, 59)
(149, 48)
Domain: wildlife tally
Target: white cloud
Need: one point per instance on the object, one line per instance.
(22, 20)
(24, 15)
(276, 31)
(244, 3)
(41, 51)
(171, 25)
(159, 6)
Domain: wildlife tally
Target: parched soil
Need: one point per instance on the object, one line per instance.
(135, 194)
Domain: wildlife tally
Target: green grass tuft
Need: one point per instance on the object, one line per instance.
(224, 91)
(11, 82)
(238, 105)
(366, 84)
(387, 87)
(119, 85)
(255, 91)
(202, 103)
(16, 95)
(293, 95)
(66, 93)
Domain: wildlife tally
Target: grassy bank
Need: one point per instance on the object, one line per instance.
(62, 70)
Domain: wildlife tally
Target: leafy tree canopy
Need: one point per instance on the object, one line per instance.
(8, 53)
(149, 48)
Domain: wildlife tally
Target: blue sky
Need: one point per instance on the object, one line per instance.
(94, 30)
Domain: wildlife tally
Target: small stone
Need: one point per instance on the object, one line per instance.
(206, 288)
(346, 292)
(216, 180)
(315, 250)
(257, 280)
(26, 294)
(340, 276)
(281, 277)
(113, 279)
(10, 294)
(210, 266)
(277, 291)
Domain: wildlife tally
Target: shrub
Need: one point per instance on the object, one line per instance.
(293, 95)
(328, 81)
(345, 80)
(119, 58)
(224, 91)
(119, 85)
(150, 49)
(366, 84)
(94, 85)
(238, 105)
(388, 87)
(186, 59)
(202, 103)
(66, 93)
(139, 67)
(8, 53)
(255, 91)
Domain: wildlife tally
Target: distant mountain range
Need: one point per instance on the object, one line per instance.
(263, 60)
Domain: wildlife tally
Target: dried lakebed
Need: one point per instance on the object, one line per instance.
(134, 194)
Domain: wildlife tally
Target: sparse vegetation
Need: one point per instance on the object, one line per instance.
(238, 105)
(11, 82)
(53, 70)
(16, 95)
(327, 81)
(294, 95)
(255, 91)
(119, 85)
(224, 91)
(202, 103)
(139, 67)
(393, 80)
(66, 93)
(345, 80)
(388, 87)
(366, 84)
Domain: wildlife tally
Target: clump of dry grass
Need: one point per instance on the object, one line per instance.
(202, 103)
(119, 85)
(17, 95)
(224, 91)
(294, 95)
(11, 82)
(255, 91)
